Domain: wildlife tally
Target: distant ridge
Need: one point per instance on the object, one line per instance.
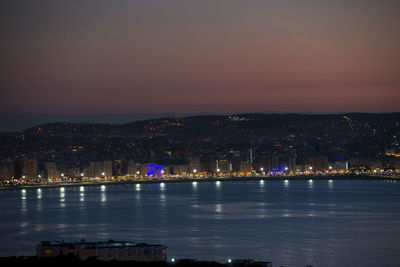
(16, 123)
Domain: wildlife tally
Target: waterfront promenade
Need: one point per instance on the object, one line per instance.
(184, 179)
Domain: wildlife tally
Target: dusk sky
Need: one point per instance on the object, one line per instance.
(126, 57)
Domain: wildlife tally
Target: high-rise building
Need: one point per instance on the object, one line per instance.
(132, 168)
(245, 167)
(224, 166)
(6, 171)
(51, 170)
(194, 164)
(318, 163)
(291, 163)
(118, 168)
(29, 168)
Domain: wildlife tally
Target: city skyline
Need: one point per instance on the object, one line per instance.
(232, 133)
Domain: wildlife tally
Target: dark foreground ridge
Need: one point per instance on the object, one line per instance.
(72, 260)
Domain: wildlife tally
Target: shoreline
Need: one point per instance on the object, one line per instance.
(208, 179)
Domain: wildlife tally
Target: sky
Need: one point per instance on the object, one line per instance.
(205, 56)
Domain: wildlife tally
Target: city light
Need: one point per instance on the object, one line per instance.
(229, 260)
(172, 260)
(62, 189)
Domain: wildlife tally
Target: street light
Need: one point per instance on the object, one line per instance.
(218, 170)
(103, 173)
(194, 170)
(310, 167)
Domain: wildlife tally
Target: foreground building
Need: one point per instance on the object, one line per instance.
(110, 250)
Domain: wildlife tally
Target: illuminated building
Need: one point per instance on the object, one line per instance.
(51, 171)
(104, 251)
(6, 171)
(194, 164)
(29, 168)
(245, 167)
(155, 170)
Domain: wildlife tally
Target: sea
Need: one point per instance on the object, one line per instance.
(353, 222)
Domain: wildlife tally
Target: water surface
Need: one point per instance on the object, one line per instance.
(291, 223)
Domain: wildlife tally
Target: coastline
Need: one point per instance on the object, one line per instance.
(207, 179)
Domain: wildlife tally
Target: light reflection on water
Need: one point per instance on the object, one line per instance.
(103, 195)
(82, 195)
(39, 200)
(330, 183)
(23, 202)
(311, 183)
(286, 183)
(336, 223)
(62, 198)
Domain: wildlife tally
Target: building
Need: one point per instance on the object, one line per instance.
(319, 163)
(6, 171)
(154, 170)
(105, 251)
(99, 169)
(291, 163)
(194, 164)
(132, 168)
(245, 167)
(250, 262)
(341, 165)
(224, 166)
(107, 168)
(179, 169)
(29, 168)
(51, 170)
(118, 168)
